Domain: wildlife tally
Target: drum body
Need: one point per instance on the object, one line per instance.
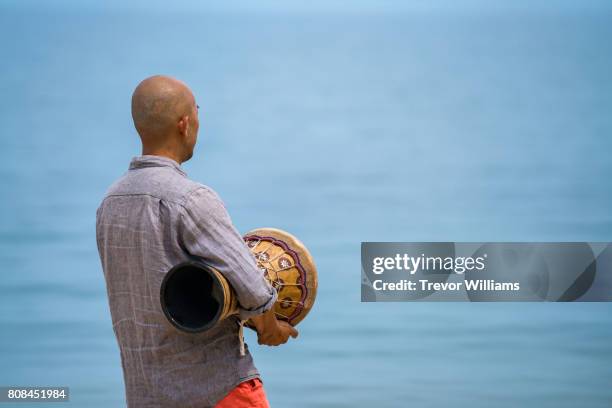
(195, 297)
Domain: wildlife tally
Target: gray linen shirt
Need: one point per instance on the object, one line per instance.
(151, 219)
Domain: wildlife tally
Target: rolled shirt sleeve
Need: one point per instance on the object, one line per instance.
(207, 232)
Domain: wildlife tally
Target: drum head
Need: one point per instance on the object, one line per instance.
(289, 267)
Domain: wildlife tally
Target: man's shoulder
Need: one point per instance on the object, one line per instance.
(163, 185)
(204, 200)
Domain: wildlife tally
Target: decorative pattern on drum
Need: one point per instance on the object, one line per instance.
(289, 268)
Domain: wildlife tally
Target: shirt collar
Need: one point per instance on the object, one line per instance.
(147, 160)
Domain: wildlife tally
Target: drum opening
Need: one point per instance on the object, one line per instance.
(191, 298)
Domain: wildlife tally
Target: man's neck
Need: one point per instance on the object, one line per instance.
(163, 153)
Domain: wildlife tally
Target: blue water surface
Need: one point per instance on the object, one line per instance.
(425, 124)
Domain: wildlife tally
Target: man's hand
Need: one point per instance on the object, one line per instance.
(278, 336)
(272, 332)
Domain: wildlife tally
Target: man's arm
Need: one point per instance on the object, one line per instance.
(206, 231)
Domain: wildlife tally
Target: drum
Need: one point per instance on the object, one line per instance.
(195, 296)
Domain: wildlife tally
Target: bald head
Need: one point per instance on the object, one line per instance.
(165, 116)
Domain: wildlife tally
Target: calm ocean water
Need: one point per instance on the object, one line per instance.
(341, 128)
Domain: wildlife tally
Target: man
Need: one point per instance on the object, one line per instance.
(152, 218)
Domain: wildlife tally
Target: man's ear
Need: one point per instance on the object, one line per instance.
(183, 125)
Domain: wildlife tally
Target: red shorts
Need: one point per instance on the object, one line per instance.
(248, 394)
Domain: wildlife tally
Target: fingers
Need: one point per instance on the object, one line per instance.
(285, 330)
(290, 329)
(272, 340)
(272, 343)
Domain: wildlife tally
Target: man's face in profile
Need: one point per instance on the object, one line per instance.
(194, 125)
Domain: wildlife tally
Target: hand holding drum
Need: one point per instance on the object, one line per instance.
(195, 296)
